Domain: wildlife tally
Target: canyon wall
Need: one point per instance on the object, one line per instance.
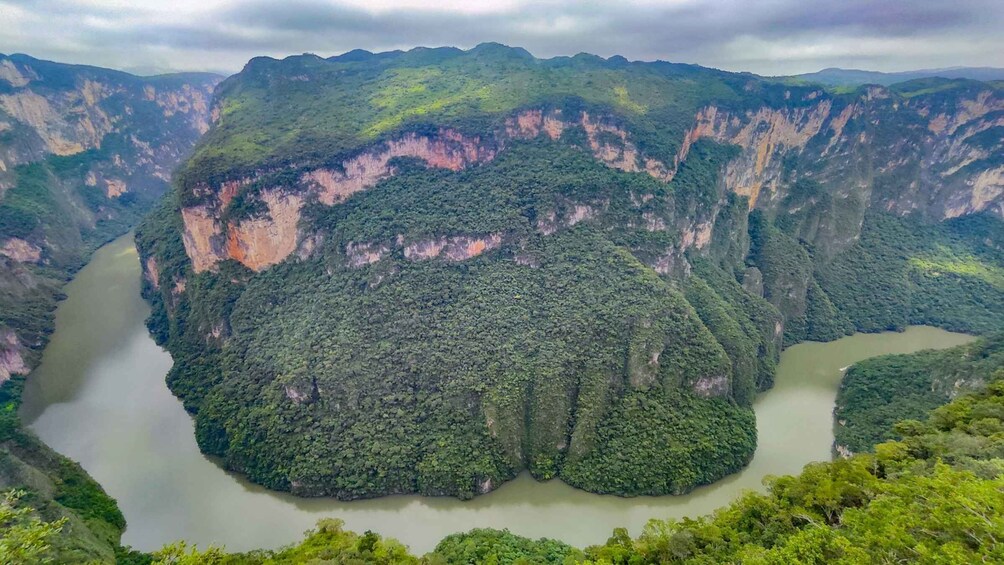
(270, 237)
(84, 153)
(903, 155)
(930, 168)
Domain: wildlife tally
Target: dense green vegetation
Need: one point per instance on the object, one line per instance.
(24, 538)
(789, 284)
(307, 110)
(498, 547)
(328, 543)
(878, 392)
(589, 345)
(936, 495)
(607, 340)
(448, 378)
(904, 272)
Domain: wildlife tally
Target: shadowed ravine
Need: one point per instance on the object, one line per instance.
(99, 397)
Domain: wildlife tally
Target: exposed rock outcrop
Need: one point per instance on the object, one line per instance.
(765, 136)
(447, 149)
(67, 124)
(456, 248)
(151, 272)
(11, 360)
(360, 254)
(203, 237)
(21, 250)
(264, 241)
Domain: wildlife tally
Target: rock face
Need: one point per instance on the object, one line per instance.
(269, 238)
(765, 137)
(11, 362)
(125, 133)
(20, 250)
(260, 242)
(448, 150)
(837, 134)
(62, 110)
(456, 248)
(937, 164)
(452, 266)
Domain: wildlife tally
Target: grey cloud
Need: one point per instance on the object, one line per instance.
(703, 31)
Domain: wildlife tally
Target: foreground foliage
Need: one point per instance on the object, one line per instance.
(24, 538)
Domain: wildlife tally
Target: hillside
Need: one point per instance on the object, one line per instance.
(425, 271)
(84, 154)
(877, 393)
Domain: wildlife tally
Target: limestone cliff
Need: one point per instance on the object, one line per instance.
(834, 133)
(11, 361)
(585, 268)
(85, 152)
(919, 154)
(271, 236)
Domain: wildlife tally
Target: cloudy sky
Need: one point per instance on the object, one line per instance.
(766, 37)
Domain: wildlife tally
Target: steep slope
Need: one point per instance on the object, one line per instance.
(444, 364)
(879, 392)
(84, 154)
(426, 271)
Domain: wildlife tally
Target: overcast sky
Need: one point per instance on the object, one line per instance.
(766, 37)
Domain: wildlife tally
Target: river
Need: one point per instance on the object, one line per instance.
(99, 397)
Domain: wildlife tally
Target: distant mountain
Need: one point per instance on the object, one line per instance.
(854, 77)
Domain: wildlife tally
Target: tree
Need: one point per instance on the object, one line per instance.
(24, 537)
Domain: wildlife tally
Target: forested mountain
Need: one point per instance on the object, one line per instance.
(84, 154)
(425, 271)
(934, 495)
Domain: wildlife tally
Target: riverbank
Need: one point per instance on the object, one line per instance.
(99, 396)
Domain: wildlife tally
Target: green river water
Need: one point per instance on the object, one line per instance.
(99, 397)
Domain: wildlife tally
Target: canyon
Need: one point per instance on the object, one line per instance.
(814, 131)
(537, 278)
(85, 153)
(439, 271)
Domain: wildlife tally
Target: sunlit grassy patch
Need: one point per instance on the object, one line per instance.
(961, 265)
(411, 93)
(624, 100)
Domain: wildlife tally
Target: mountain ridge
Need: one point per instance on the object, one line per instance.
(732, 213)
(836, 76)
